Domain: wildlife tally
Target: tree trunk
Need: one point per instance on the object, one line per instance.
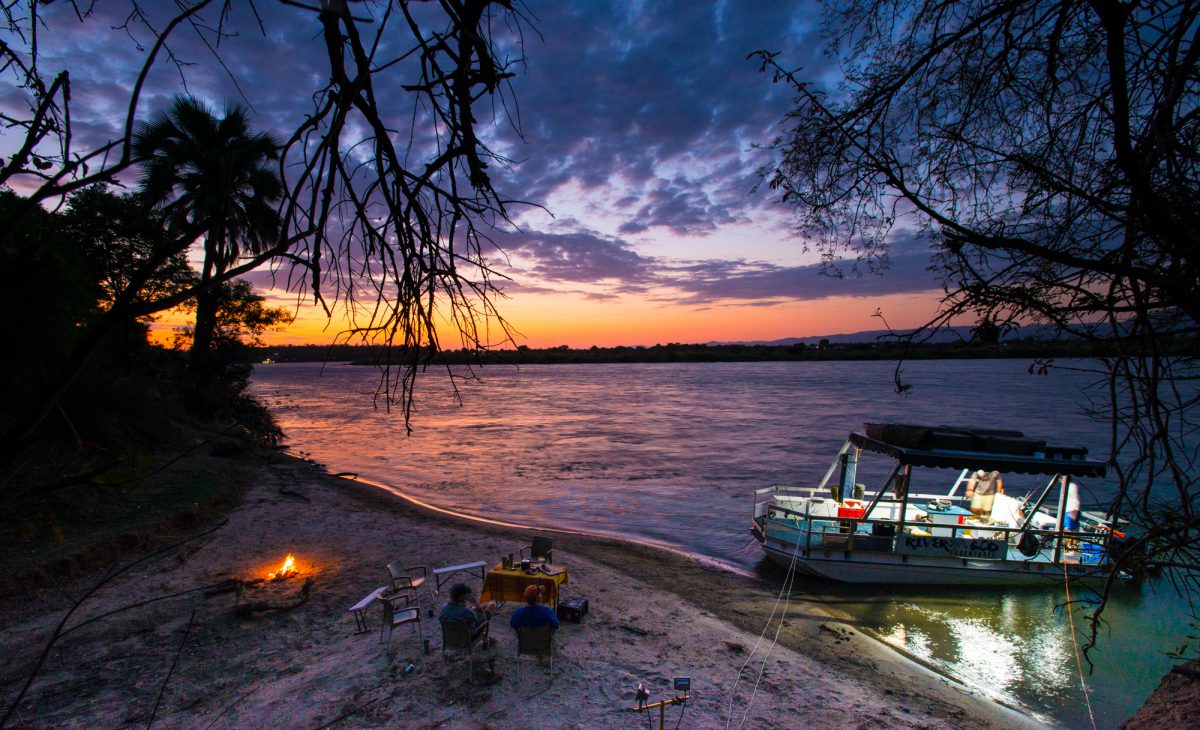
(206, 301)
(206, 322)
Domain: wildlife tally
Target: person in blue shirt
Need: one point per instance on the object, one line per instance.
(535, 614)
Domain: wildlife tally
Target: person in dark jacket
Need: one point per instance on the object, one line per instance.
(474, 616)
(534, 614)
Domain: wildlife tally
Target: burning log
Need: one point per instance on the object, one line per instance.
(271, 596)
(287, 570)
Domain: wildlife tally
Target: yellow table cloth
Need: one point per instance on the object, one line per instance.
(502, 584)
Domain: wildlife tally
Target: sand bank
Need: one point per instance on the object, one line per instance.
(191, 661)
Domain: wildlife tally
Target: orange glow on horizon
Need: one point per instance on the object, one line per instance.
(542, 320)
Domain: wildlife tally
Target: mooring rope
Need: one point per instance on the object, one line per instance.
(1074, 641)
(785, 590)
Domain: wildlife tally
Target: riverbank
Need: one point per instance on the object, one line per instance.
(188, 660)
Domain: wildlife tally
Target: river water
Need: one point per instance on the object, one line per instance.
(672, 453)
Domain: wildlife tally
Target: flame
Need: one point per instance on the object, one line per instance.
(287, 570)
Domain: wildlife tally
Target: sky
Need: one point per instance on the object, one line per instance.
(638, 126)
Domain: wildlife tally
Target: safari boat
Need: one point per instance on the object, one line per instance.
(901, 532)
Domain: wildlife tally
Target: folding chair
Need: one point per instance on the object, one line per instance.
(535, 642)
(393, 617)
(459, 640)
(408, 579)
(542, 547)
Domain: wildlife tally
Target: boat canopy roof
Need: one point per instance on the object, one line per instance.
(952, 447)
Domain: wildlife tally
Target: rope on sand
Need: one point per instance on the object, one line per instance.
(785, 591)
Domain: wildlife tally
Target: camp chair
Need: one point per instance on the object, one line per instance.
(535, 642)
(542, 547)
(459, 640)
(393, 616)
(405, 579)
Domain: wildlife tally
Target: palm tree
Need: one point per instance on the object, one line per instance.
(211, 177)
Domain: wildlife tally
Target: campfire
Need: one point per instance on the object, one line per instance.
(287, 570)
(273, 593)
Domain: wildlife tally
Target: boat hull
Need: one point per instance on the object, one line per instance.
(862, 566)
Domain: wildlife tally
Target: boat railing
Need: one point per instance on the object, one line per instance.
(1089, 546)
(765, 498)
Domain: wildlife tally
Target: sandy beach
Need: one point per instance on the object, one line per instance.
(185, 658)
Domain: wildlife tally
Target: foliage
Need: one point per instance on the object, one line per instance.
(121, 235)
(1048, 151)
(47, 296)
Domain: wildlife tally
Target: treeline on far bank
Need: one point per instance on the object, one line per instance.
(1027, 349)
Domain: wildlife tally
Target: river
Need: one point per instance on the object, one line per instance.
(672, 453)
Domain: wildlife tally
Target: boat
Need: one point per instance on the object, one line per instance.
(903, 532)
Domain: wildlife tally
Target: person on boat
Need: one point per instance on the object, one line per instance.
(535, 614)
(982, 490)
(1074, 507)
(1071, 513)
(458, 610)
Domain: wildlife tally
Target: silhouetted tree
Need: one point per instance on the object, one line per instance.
(120, 236)
(211, 177)
(1048, 151)
(408, 227)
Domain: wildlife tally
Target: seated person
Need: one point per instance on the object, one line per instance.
(535, 614)
(982, 490)
(459, 609)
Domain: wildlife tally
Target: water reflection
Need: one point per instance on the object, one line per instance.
(1016, 644)
(672, 453)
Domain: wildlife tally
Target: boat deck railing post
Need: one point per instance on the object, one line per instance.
(879, 493)
(808, 529)
(902, 484)
(833, 467)
(1058, 520)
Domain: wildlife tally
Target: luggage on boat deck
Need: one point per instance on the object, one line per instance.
(1091, 554)
(572, 609)
(881, 530)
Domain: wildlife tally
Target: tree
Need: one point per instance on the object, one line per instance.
(242, 316)
(119, 235)
(210, 176)
(407, 227)
(1048, 152)
(65, 271)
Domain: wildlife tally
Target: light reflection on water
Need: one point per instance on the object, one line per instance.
(672, 453)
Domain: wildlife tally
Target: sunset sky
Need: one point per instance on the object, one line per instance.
(639, 120)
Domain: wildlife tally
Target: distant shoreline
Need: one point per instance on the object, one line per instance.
(1034, 350)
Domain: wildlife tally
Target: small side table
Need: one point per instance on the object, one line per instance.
(360, 609)
(443, 575)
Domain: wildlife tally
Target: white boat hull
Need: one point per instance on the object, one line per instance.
(860, 566)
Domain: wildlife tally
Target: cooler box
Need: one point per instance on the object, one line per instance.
(853, 508)
(945, 519)
(572, 609)
(1090, 553)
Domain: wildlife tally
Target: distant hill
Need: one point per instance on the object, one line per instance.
(946, 335)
